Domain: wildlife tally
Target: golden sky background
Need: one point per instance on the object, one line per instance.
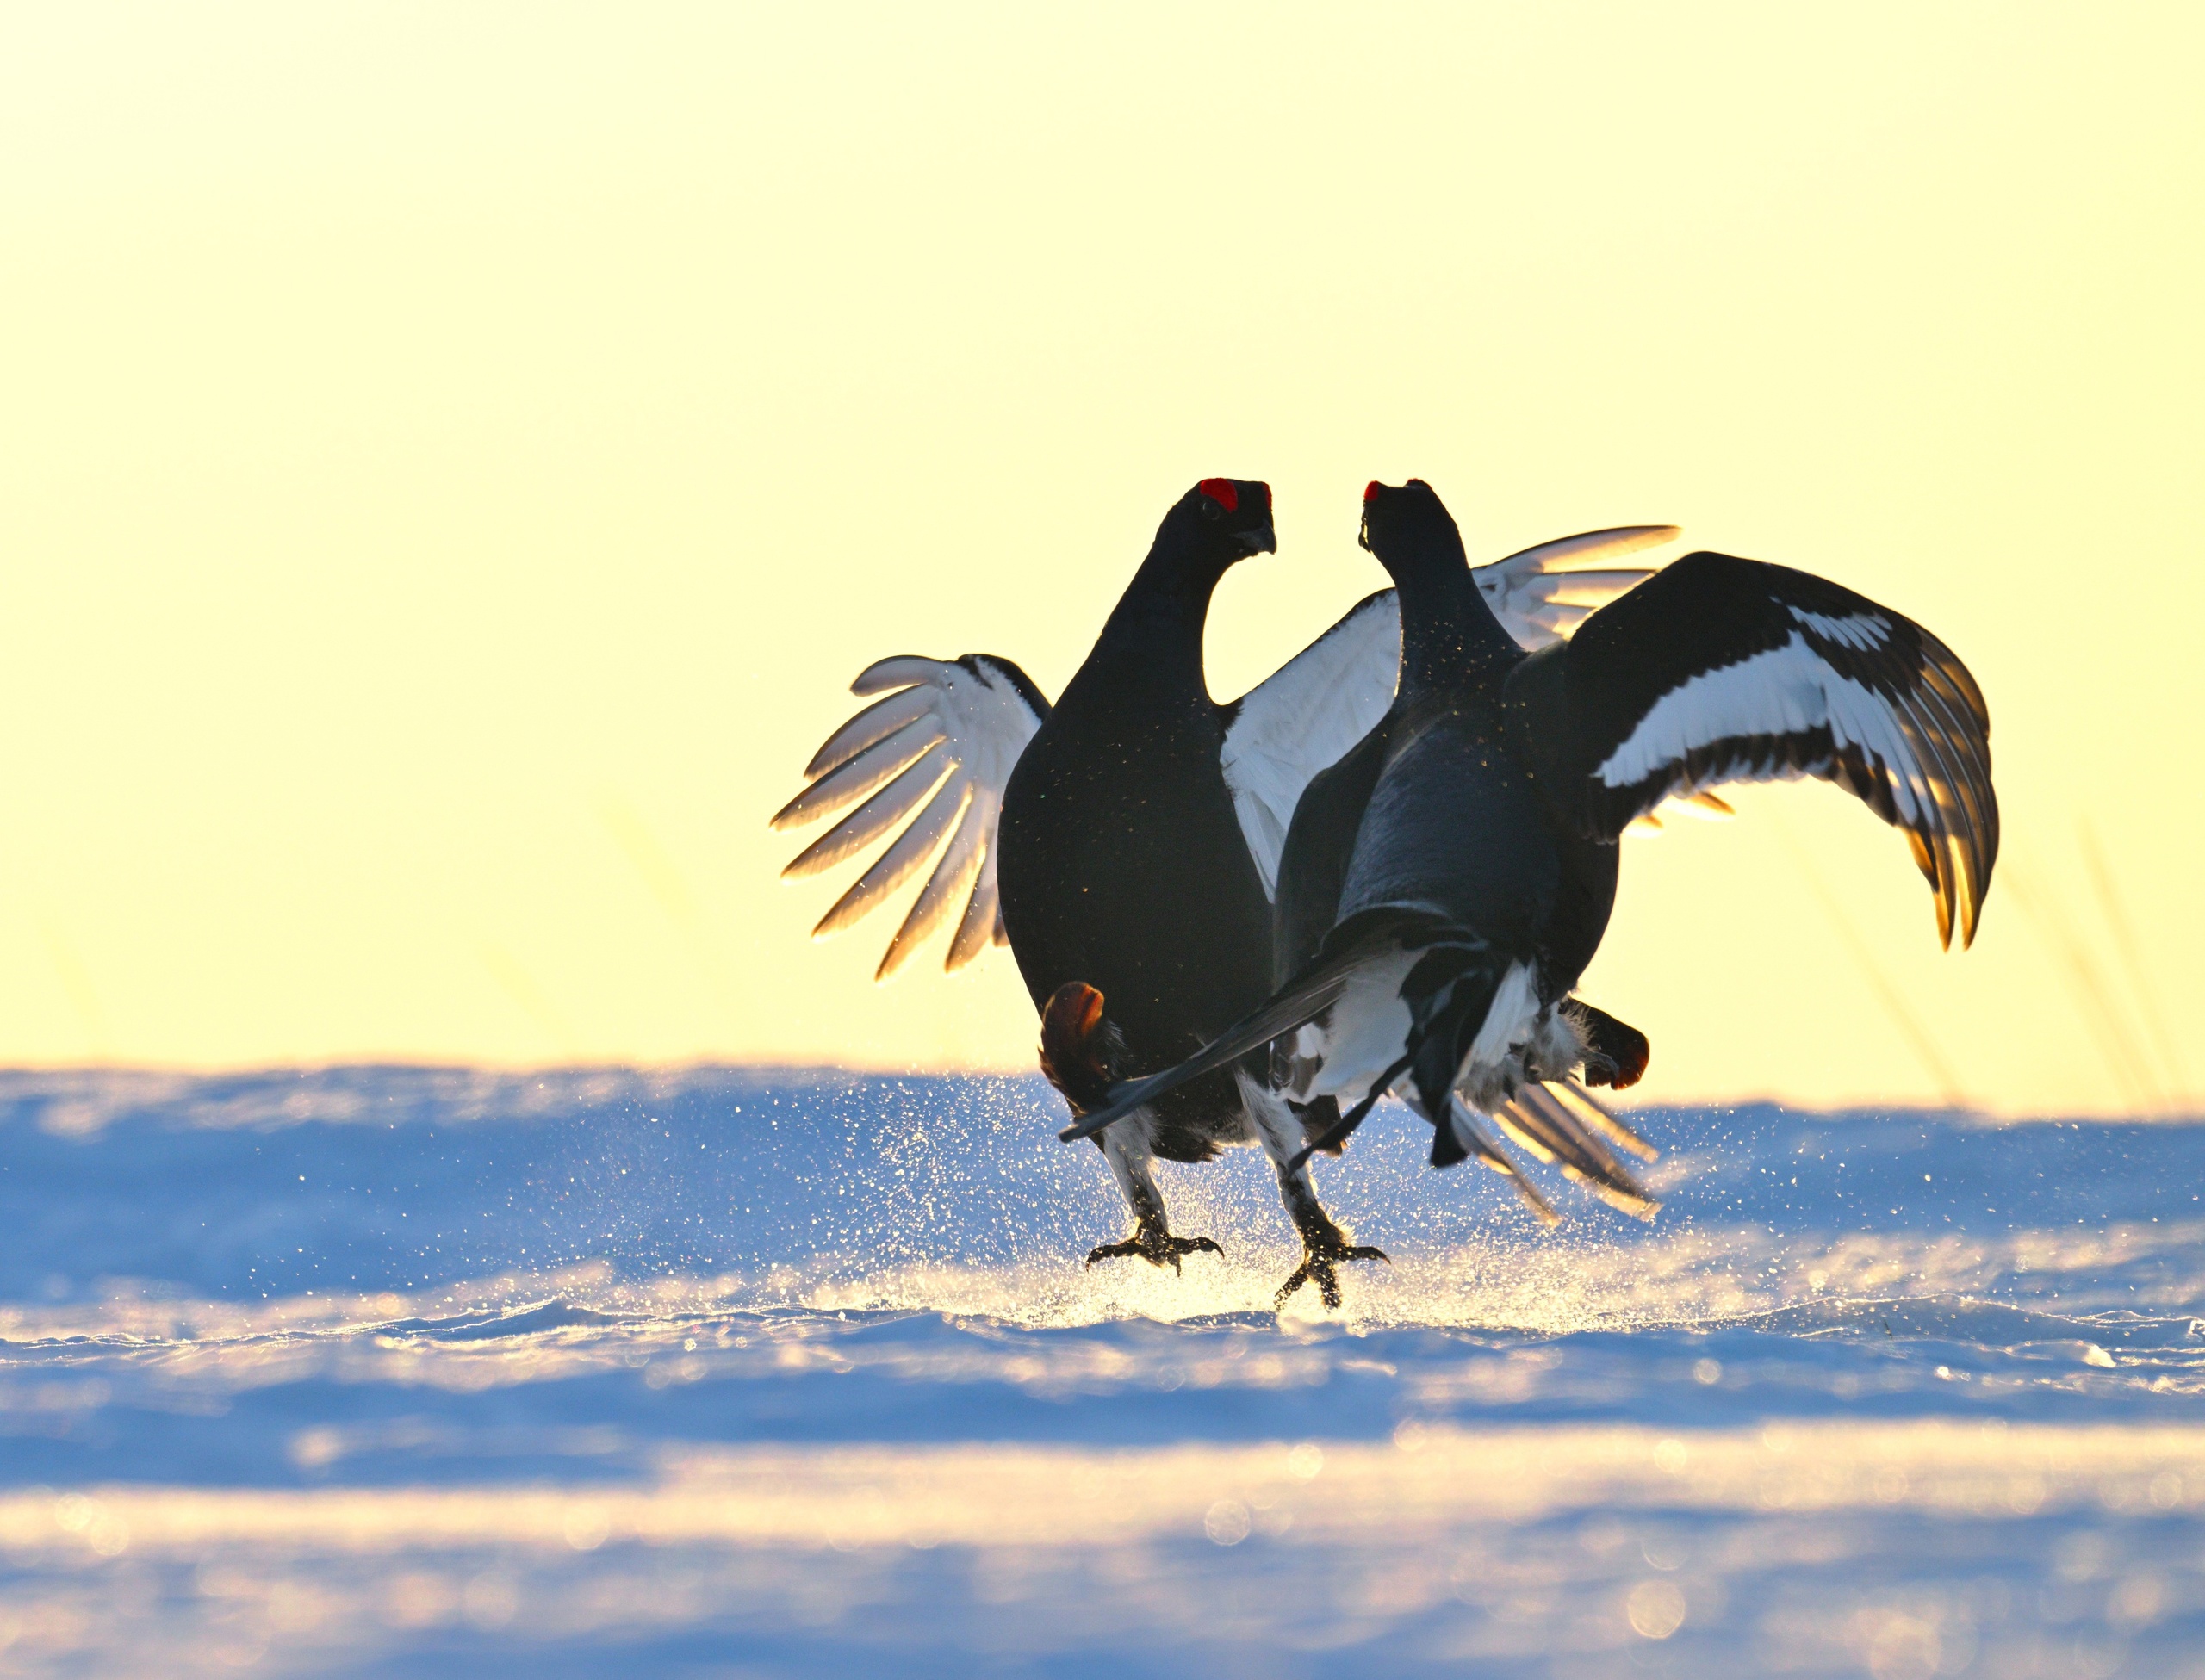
(451, 459)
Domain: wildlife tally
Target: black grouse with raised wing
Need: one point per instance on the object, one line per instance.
(1462, 891)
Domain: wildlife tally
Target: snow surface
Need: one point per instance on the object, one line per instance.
(404, 1371)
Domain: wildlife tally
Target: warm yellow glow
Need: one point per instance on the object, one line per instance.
(1429, 1479)
(451, 459)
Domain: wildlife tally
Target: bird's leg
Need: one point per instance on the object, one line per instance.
(1323, 1244)
(1126, 1148)
(1082, 1051)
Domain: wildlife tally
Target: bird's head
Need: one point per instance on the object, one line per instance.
(1408, 528)
(1223, 520)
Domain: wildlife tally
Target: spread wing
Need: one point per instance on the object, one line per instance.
(1728, 670)
(939, 744)
(1307, 715)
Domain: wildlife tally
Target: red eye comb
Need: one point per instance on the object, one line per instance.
(1370, 492)
(1221, 491)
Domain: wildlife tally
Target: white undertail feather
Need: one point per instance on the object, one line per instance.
(906, 856)
(1496, 1063)
(871, 726)
(1350, 1047)
(856, 777)
(1520, 1072)
(947, 890)
(908, 792)
(935, 751)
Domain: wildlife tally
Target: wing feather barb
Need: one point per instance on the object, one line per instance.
(905, 854)
(950, 882)
(902, 796)
(1300, 719)
(944, 740)
(878, 720)
(1586, 550)
(1305, 716)
(1593, 589)
(859, 775)
(1526, 589)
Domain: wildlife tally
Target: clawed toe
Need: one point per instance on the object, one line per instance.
(1160, 1249)
(1327, 1284)
(1317, 1267)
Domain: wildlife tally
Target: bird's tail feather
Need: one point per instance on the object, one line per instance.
(1463, 1127)
(1557, 1122)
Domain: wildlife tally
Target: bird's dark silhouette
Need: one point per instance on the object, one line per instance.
(1126, 841)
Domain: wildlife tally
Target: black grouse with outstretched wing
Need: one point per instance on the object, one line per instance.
(1467, 879)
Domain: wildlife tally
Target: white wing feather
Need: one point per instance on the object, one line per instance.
(1302, 717)
(1541, 595)
(943, 742)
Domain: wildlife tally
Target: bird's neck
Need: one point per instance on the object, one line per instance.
(1153, 639)
(1448, 636)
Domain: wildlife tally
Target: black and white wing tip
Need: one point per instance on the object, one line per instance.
(1728, 670)
(938, 750)
(1541, 594)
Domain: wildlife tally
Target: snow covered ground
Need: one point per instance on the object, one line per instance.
(391, 1371)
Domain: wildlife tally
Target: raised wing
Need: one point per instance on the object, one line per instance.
(943, 742)
(1728, 670)
(1305, 716)
(1541, 595)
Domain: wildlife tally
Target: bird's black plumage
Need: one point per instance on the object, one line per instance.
(1130, 894)
(1126, 842)
(1121, 864)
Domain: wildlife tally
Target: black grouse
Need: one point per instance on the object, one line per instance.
(1126, 842)
(1444, 886)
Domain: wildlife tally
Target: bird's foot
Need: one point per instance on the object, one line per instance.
(1158, 1246)
(1317, 1266)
